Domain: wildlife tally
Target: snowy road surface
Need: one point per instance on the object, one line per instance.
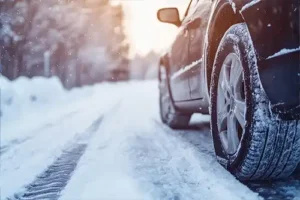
(111, 145)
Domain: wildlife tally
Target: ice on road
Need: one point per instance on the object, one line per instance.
(111, 145)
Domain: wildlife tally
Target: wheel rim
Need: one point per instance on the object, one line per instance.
(231, 104)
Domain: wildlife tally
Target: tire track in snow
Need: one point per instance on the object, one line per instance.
(15, 142)
(180, 164)
(53, 180)
(152, 156)
(271, 190)
(198, 135)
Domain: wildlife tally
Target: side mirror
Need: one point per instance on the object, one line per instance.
(169, 15)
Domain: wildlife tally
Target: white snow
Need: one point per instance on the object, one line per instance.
(131, 156)
(250, 4)
(24, 100)
(33, 134)
(283, 52)
(139, 159)
(233, 6)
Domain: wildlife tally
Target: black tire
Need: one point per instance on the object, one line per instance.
(168, 113)
(269, 147)
(297, 171)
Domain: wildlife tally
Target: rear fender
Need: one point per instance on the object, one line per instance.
(273, 25)
(274, 29)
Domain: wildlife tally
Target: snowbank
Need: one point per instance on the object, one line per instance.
(26, 103)
(24, 96)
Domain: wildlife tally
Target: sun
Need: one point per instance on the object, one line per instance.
(144, 31)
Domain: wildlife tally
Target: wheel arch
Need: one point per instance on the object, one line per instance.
(217, 27)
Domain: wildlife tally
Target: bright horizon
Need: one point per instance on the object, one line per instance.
(144, 31)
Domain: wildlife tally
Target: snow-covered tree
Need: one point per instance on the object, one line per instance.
(79, 41)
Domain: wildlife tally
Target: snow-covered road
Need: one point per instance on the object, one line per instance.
(111, 145)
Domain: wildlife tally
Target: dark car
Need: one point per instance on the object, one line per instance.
(239, 61)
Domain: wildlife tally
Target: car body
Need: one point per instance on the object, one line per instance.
(273, 27)
(191, 56)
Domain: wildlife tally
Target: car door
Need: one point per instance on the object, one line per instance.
(200, 18)
(179, 81)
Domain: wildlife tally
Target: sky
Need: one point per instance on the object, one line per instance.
(144, 31)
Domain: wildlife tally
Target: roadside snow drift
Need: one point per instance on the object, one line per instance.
(28, 103)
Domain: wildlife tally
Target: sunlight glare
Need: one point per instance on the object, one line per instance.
(145, 32)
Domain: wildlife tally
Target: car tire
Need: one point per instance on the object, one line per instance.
(168, 114)
(250, 140)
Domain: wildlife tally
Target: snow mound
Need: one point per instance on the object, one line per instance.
(24, 94)
(26, 104)
(23, 100)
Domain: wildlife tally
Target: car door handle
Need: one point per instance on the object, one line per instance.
(193, 24)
